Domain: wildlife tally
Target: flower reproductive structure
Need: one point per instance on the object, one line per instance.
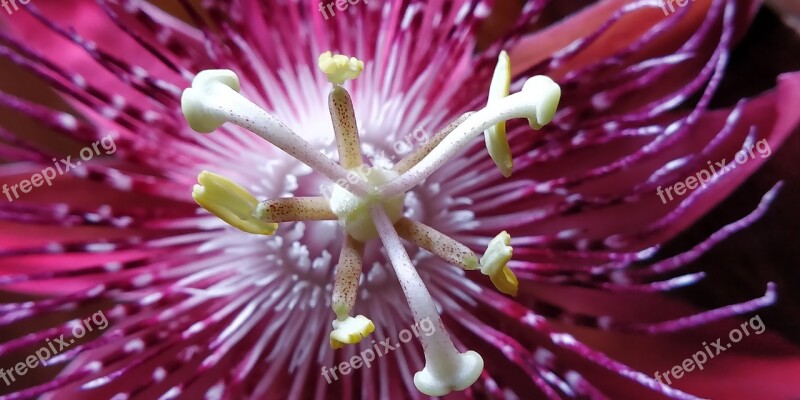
(368, 201)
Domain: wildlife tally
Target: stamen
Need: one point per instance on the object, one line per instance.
(495, 136)
(214, 99)
(437, 243)
(230, 202)
(339, 68)
(494, 263)
(446, 369)
(294, 209)
(350, 331)
(418, 154)
(344, 125)
(348, 273)
(537, 101)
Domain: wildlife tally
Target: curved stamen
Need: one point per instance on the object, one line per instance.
(446, 369)
(495, 137)
(437, 243)
(214, 99)
(295, 209)
(537, 101)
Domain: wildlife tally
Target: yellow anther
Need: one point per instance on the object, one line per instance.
(494, 264)
(495, 136)
(230, 202)
(350, 331)
(340, 68)
(505, 281)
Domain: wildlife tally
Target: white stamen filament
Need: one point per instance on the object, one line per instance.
(446, 369)
(214, 99)
(537, 101)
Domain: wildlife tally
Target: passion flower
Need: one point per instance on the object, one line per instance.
(235, 299)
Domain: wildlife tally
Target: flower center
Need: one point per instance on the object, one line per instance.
(368, 201)
(353, 211)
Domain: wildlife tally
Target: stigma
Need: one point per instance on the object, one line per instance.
(368, 202)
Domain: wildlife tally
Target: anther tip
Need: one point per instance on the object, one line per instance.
(350, 331)
(339, 68)
(505, 281)
(494, 263)
(230, 202)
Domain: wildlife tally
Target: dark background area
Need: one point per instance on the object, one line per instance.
(740, 267)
